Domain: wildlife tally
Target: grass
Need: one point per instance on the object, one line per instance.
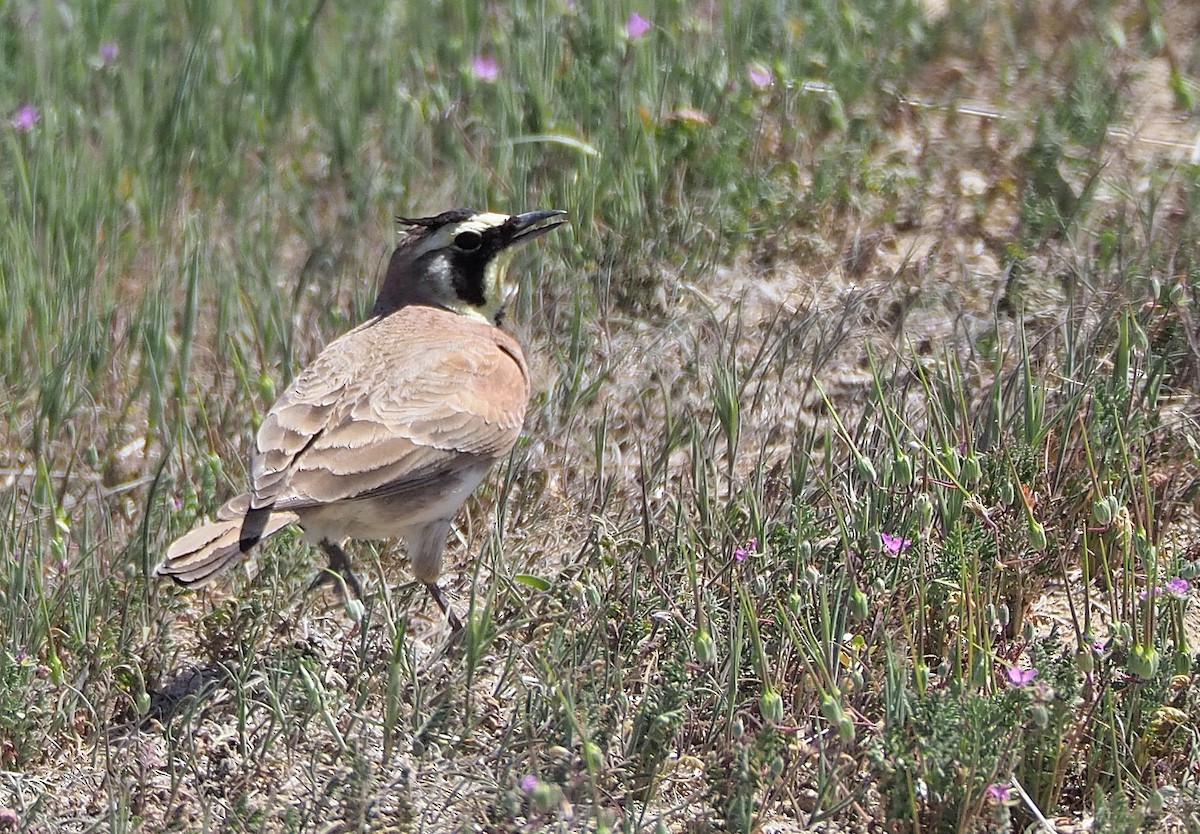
(852, 410)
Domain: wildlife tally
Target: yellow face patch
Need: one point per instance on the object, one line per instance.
(491, 289)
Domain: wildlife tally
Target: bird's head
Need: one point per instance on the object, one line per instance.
(459, 260)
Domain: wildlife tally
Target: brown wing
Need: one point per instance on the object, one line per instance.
(389, 407)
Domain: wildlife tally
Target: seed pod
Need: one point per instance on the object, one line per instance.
(1085, 662)
(795, 604)
(706, 649)
(1143, 661)
(865, 469)
(1102, 512)
(771, 705)
(832, 710)
(972, 470)
(1037, 535)
(925, 511)
(860, 605)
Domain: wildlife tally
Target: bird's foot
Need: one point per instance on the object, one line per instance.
(338, 572)
(440, 599)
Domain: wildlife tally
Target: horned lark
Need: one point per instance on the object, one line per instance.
(395, 423)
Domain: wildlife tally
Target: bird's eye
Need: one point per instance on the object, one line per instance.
(468, 241)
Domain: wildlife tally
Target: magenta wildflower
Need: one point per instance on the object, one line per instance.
(485, 68)
(760, 76)
(26, 117)
(528, 783)
(636, 27)
(1177, 586)
(108, 54)
(175, 503)
(748, 549)
(997, 793)
(1021, 677)
(895, 544)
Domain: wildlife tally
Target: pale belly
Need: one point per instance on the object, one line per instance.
(390, 516)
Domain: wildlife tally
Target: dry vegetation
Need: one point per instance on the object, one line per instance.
(958, 238)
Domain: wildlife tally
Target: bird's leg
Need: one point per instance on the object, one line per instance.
(436, 593)
(339, 566)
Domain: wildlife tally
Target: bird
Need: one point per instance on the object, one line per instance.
(395, 423)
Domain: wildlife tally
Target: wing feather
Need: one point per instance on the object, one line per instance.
(390, 407)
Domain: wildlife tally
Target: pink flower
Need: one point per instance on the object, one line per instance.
(485, 68)
(997, 793)
(528, 783)
(25, 118)
(1021, 677)
(108, 53)
(748, 549)
(636, 27)
(1177, 586)
(760, 76)
(9, 819)
(895, 544)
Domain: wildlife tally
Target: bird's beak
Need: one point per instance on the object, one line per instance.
(525, 226)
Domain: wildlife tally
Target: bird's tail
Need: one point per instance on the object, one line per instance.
(196, 558)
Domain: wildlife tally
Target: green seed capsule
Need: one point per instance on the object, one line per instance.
(860, 605)
(771, 705)
(921, 677)
(925, 511)
(865, 469)
(266, 387)
(1143, 662)
(1102, 511)
(1037, 535)
(953, 462)
(706, 649)
(1085, 662)
(832, 710)
(972, 470)
(902, 468)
